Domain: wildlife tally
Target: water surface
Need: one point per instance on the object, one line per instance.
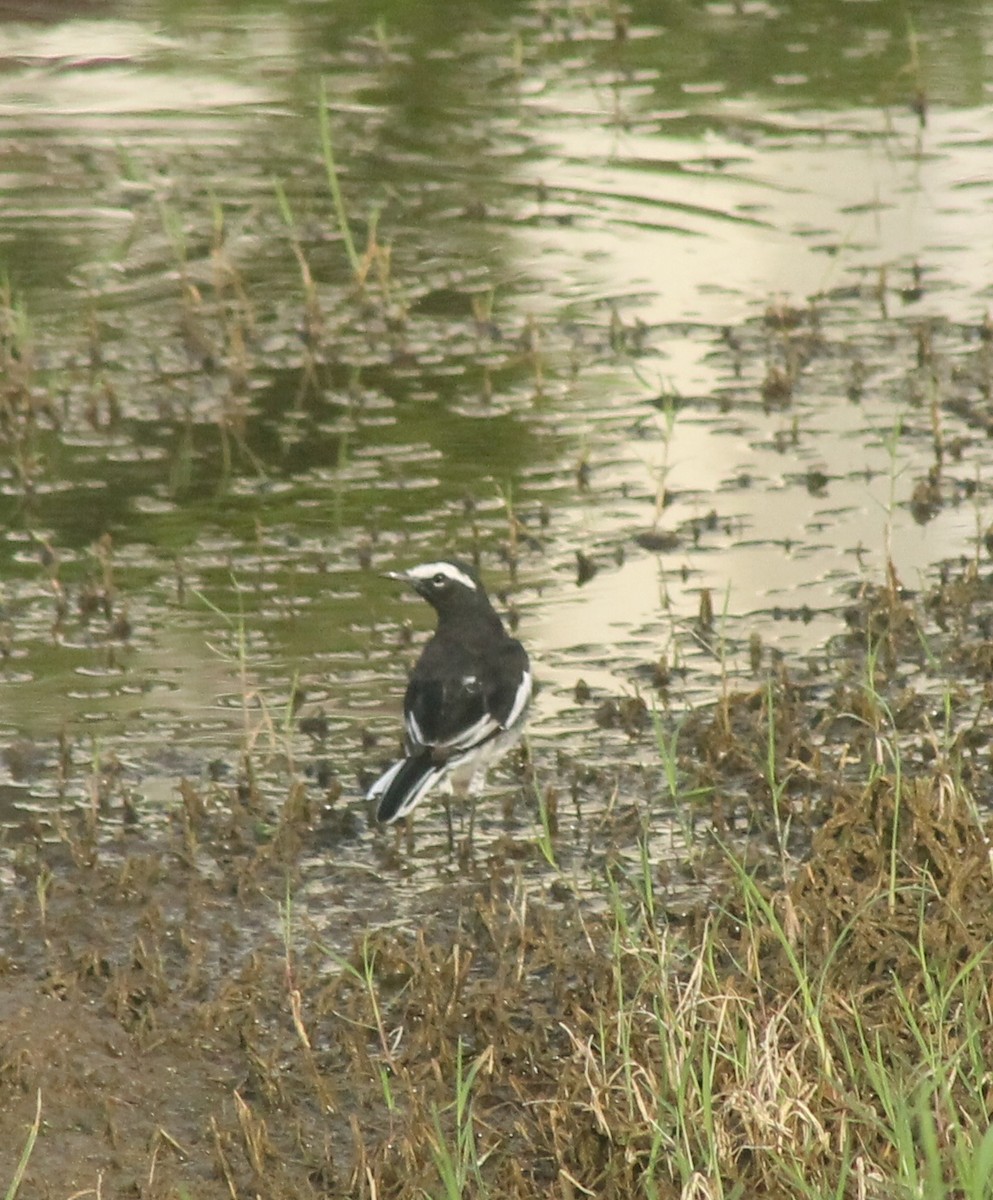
(701, 302)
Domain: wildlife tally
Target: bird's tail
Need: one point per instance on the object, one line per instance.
(400, 789)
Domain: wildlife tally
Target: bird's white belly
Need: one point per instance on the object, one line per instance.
(469, 775)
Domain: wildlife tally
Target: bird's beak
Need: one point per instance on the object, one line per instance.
(406, 579)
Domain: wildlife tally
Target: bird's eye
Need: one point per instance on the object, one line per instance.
(439, 580)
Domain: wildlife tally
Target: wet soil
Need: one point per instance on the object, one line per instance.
(192, 1030)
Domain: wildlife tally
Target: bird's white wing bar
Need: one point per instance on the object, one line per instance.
(472, 735)
(521, 700)
(449, 570)
(413, 730)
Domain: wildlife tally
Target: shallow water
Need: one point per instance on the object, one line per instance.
(715, 285)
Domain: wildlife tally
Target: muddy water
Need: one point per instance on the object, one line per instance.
(652, 317)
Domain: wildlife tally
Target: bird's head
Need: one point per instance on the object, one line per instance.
(446, 584)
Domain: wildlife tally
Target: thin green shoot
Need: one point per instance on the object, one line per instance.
(22, 1164)
(754, 899)
(683, 800)
(217, 219)
(892, 749)
(173, 227)
(324, 119)
(884, 730)
(381, 35)
(777, 786)
(546, 840)
(285, 209)
(505, 494)
(16, 323)
(459, 1165)
(366, 976)
(979, 1170)
(252, 699)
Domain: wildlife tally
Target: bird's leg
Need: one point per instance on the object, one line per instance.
(448, 824)
(474, 789)
(472, 817)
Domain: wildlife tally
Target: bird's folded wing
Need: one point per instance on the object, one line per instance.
(451, 715)
(453, 739)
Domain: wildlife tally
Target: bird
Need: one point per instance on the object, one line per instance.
(467, 697)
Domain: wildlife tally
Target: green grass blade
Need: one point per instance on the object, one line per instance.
(25, 1158)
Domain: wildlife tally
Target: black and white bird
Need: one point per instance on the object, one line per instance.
(467, 698)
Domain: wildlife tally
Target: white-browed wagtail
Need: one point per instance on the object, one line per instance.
(467, 698)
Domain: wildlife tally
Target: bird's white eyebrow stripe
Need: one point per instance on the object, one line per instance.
(449, 570)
